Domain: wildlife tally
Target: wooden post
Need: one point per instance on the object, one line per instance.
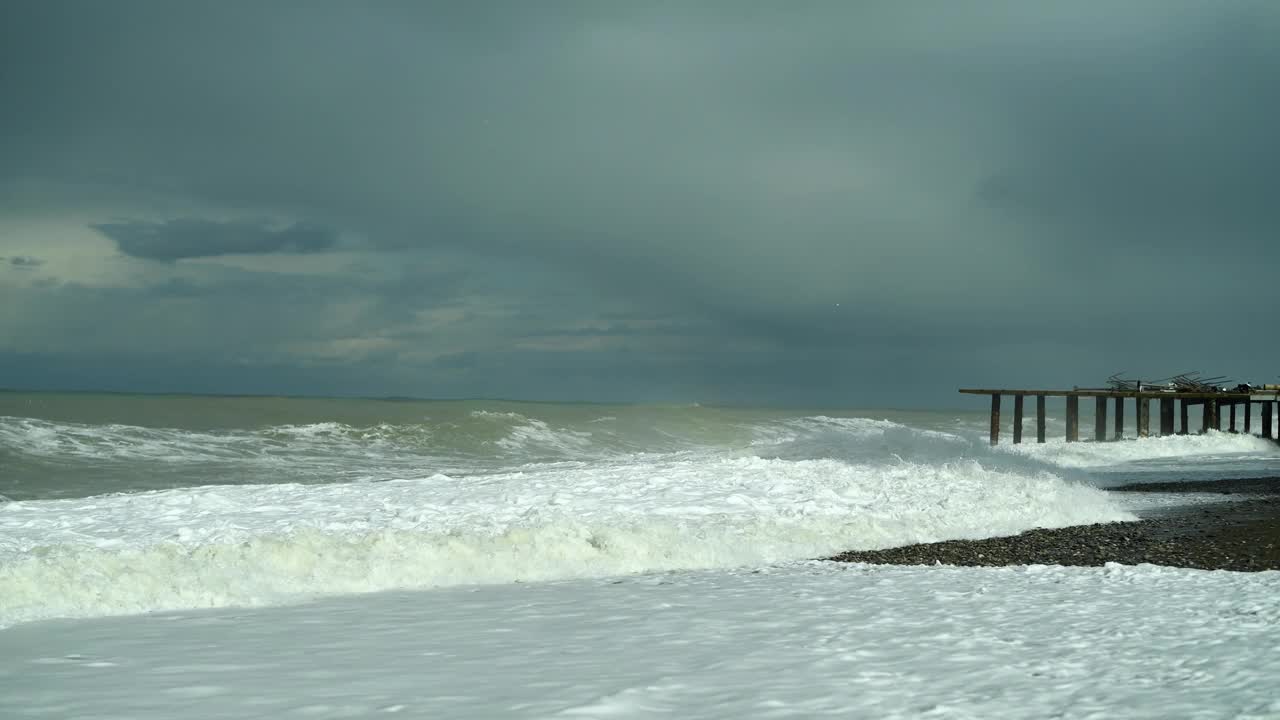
(1185, 429)
(1039, 418)
(1119, 418)
(1217, 413)
(1144, 416)
(1099, 419)
(1073, 418)
(1266, 418)
(1017, 419)
(1233, 417)
(1166, 416)
(1248, 417)
(995, 419)
(1206, 416)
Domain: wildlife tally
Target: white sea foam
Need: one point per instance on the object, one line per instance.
(556, 501)
(255, 545)
(537, 437)
(801, 640)
(863, 440)
(1131, 452)
(493, 414)
(43, 438)
(116, 442)
(495, 439)
(292, 452)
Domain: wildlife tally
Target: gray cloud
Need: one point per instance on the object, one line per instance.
(23, 262)
(1167, 148)
(194, 238)
(754, 202)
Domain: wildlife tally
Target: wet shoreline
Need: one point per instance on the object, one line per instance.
(1241, 535)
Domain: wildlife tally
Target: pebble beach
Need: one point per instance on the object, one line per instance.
(1240, 534)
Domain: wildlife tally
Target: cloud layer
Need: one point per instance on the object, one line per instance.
(197, 238)
(829, 203)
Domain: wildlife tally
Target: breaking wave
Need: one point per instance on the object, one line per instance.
(267, 544)
(282, 513)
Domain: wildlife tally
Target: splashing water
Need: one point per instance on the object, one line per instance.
(122, 517)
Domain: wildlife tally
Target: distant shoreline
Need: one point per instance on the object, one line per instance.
(1239, 535)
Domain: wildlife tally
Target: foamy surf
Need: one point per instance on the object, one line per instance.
(1213, 444)
(271, 544)
(419, 495)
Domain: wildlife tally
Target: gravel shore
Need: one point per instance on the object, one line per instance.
(1242, 534)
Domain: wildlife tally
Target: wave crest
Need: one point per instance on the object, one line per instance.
(214, 546)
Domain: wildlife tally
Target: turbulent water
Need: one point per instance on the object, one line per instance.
(121, 504)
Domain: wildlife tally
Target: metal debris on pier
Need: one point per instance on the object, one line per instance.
(1214, 394)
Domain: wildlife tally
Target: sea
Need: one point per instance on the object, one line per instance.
(139, 534)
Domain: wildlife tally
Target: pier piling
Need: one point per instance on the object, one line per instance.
(1040, 418)
(1099, 419)
(1166, 416)
(1073, 418)
(1119, 419)
(1212, 402)
(995, 419)
(1017, 419)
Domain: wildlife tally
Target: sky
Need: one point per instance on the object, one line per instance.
(807, 203)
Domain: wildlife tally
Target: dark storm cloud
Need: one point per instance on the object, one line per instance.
(193, 238)
(23, 262)
(772, 196)
(1170, 146)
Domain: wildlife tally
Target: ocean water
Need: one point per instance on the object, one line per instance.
(263, 557)
(118, 504)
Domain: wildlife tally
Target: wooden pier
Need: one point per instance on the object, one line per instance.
(1214, 404)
